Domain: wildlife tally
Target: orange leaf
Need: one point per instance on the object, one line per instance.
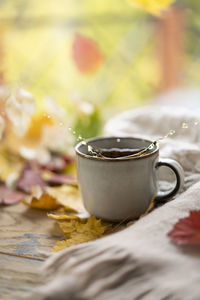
(86, 54)
(44, 202)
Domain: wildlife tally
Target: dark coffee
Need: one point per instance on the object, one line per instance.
(118, 152)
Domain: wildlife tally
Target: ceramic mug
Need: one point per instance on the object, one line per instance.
(119, 188)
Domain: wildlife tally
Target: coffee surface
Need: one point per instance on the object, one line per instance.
(118, 152)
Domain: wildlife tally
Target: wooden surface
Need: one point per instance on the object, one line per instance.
(24, 233)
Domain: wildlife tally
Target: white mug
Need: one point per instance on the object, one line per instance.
(122, 188)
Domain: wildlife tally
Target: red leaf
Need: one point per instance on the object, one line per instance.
(59, 179)
(57, 165)
(30, 177)
(86, 54)
(9, 196)
(187, 230)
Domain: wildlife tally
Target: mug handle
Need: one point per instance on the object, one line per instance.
(179, 173)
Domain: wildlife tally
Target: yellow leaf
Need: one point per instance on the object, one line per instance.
(10, 161)
(67, 196)
(153, 6)
(80, 232)
(35, 129)
(63, 217)
(10, 164)
(60, 245)
(84, 215)
(44, 202)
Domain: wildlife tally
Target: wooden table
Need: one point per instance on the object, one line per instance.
(24, 232)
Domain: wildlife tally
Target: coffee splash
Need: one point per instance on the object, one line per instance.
(123, 152)
(118, 152)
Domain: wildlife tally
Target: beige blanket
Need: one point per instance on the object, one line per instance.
(139, 262)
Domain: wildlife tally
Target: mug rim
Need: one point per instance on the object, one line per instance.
(78, 152)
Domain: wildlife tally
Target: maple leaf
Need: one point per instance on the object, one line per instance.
(44, 202)
(30, 177)
(86, 54)
(153, 6)
(67, 196)
(80, 232)
(9, 196)
(58, 179)
(187, 230)
(69, 216)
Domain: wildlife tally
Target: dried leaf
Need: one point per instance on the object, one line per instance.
(10, 163)
(35, 130)
(79, 232)
(153, 6)
(67, 196)
(19, 110)
(69, 216)
(57, 164)
(44, 202)
(60, 245)
(9, 196)
(187, 230)
(2, 127)
(86, 54)
(58, 179)
(30, 177)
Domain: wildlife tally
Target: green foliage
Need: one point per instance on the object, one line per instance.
(88, 126)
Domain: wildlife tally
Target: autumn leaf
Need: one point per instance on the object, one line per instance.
(35, 129)
(81, 232)
(44, 202)
(54, 179)
(30, 177)
(187, 230)
(69, 216)
(2, 126)
(67, 196)
(20, 110)
(10, 163)
(56, 165)
(86, 54)
(153, 6)
(9, 196)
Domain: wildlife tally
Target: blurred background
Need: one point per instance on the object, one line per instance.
(96, 58)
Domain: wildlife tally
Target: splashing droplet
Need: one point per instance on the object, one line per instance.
(49, 117)
(118, 140)
(90, 148)
(74, 132)
(60, 124)
(185, 125)
(79, 138)
(70, 129)
(84, 142)
(172, 132)
(151, 146)
(196, 122)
